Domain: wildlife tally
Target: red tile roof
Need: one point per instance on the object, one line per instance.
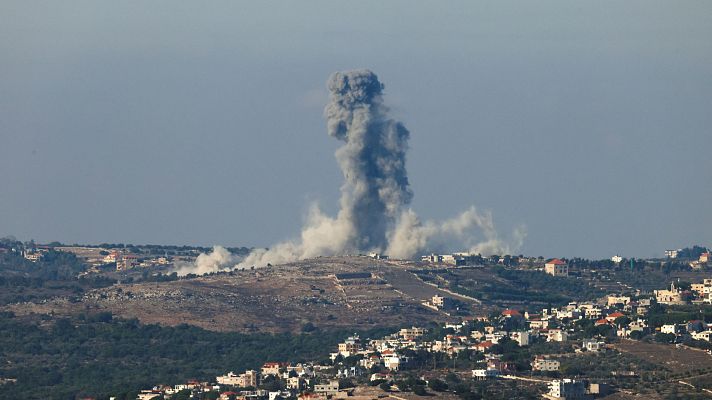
(556, 261)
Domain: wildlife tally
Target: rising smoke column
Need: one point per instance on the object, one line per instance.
(374, 213)
(372, 160)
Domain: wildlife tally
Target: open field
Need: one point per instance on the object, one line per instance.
(283, 298)
(677, 360)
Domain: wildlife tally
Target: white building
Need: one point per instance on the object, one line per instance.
(394, 362)
(617, 259)
(350, 346)
(248, 379)
(481, 374)
(556, 335)
(593, 345)
(673, 329)
(672, 253)
(704, 335)
(545, 364)
(522, 338)
(568, 389)
(556, 267)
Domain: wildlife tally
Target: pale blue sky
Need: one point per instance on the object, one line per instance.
(201, 122)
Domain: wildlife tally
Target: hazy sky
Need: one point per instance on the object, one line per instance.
(201, 122)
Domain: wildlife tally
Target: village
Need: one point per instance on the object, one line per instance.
(533, 349)
(460, 326)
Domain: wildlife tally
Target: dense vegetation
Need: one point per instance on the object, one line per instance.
(55, 274)
(526, 287)
(98, 355)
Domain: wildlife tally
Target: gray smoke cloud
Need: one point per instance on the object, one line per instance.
(218, 259)
(472, 231)
(374, 214)
(372, 160)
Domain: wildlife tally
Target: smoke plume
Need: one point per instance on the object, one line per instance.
(374, 215)
(220, 258)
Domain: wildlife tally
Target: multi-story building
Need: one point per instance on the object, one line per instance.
(556, 335)
(613, 300)
(672, 329)
(350, 346)
(411, 333)
(126, 262)
(593, 345)
(672, 253)
(482, 374)
(521, 337)
(545, 364)
(441, 302)
(328, 389)
(556, 267)
(247, 379)
(272, 368)
(568, 389)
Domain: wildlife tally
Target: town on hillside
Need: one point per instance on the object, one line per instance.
(454, 326)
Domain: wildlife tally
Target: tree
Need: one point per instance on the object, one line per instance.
(437, 385)
(622, 321)
(420, 390)
(385, 386)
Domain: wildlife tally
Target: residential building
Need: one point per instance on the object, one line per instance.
(328, 389)
(394, 362)
(593, 345)
(482, 374)
(705, 335)
(672, 253)
(556, 335)
(545, 364)
(444, 303)
(350, 346)
(112, 257)
(126, 262)
(411, 333)
(272, 368)
(672, 329)
(613, 300)
(247, 379)
(556, 267)
(568, 389)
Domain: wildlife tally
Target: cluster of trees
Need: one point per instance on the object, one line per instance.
(693, 252)
(528, 286)
(54, 265)
(55, 274)
(600, 365)
(659, 315)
